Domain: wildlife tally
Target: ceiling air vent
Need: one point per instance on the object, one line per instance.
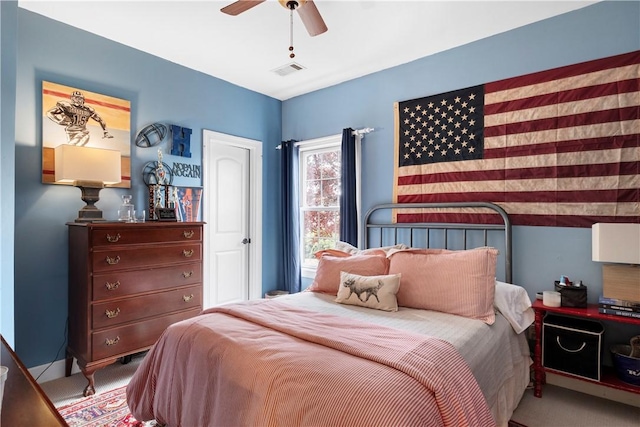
(285, 70)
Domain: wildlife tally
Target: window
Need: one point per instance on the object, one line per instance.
(319, 198)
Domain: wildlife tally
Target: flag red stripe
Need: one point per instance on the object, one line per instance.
(573, 70)
(579, 196)
(581, 119)
(591, 144)
(569, 171)
(595, 91)
(516, 219)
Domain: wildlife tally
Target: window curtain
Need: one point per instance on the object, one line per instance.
(290, 219)
(348, 195)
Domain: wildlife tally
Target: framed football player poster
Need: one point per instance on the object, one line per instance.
(75, 116)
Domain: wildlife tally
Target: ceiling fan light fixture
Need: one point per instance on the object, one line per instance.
(292, 4)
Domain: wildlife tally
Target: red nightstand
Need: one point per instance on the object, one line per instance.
(608, 379)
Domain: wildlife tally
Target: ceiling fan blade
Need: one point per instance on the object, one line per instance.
(311, 18)
(240, 6)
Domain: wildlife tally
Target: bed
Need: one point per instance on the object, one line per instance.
(417, 329)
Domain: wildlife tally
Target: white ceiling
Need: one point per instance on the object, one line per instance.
(364, 36)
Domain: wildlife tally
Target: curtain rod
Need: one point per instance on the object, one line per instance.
(356, 132)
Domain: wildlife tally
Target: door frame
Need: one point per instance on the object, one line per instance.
(209, 141)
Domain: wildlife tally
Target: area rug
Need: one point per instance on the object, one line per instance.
(108, 409)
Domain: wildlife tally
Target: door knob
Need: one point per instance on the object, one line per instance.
(245, 241)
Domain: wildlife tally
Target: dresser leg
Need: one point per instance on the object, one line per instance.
(89, 390)
(68, 364)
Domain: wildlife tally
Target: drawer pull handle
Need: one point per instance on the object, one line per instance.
(188, 234)
(112, 286)
(112, 313)
(113, 341)
(187, 274)
(187, 298)
(113, 261)
(187, 253)
(567, 350)
(113, 239)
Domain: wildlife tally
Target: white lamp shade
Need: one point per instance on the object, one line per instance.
(618, 243)
(75, 163)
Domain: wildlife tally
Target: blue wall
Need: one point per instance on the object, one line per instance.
(165, 92)
(540, 254)
(8, 30)
(159, 91)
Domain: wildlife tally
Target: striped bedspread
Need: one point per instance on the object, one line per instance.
(268, 363)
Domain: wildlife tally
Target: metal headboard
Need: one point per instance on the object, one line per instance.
(390, 230)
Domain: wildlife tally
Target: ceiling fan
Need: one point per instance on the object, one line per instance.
(307, 10)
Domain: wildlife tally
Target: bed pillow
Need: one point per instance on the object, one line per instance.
(327, 278)
(377, 292)
(514, 304)
(342, 254)
(456, 282)
(331, 252)
(350, 249)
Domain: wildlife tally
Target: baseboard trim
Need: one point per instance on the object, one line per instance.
(53, 372)
(602, 391)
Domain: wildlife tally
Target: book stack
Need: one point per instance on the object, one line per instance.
(619, 307)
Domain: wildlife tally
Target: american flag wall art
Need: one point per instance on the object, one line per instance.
(554, 148)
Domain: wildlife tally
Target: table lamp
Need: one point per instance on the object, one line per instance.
(619, 245)
(89, 169)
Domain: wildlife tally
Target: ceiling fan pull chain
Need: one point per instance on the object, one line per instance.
(291, 55)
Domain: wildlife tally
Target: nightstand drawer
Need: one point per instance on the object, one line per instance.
(148, 256)
(123, 283)
(134, 337)
(126, 235)
(116, 312)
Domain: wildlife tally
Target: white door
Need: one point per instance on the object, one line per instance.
(232, 232)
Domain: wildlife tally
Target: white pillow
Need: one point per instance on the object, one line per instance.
(377, 292)
(514, 304)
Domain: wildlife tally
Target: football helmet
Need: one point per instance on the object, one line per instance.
(77, 98)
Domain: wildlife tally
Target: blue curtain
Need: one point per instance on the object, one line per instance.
(348, 208)
(290, 219)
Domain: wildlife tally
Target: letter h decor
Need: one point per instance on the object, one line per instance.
(181, 141)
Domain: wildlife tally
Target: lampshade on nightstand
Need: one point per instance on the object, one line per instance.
(89, 169)
(619, 246)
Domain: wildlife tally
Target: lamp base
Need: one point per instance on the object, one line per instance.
(90, 195)
(621, 281)
(90, 215)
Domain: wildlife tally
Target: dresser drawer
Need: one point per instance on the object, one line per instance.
(112, 313)
(134, 337)
(142, 257)
(130, 234)
(123, 283)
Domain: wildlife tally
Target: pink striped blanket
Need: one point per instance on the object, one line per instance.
(267, 363)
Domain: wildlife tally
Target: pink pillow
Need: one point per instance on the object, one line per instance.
(456, 282)
(327, 278)
(343, 254)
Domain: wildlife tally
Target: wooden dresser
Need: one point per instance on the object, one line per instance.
(127, 283)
